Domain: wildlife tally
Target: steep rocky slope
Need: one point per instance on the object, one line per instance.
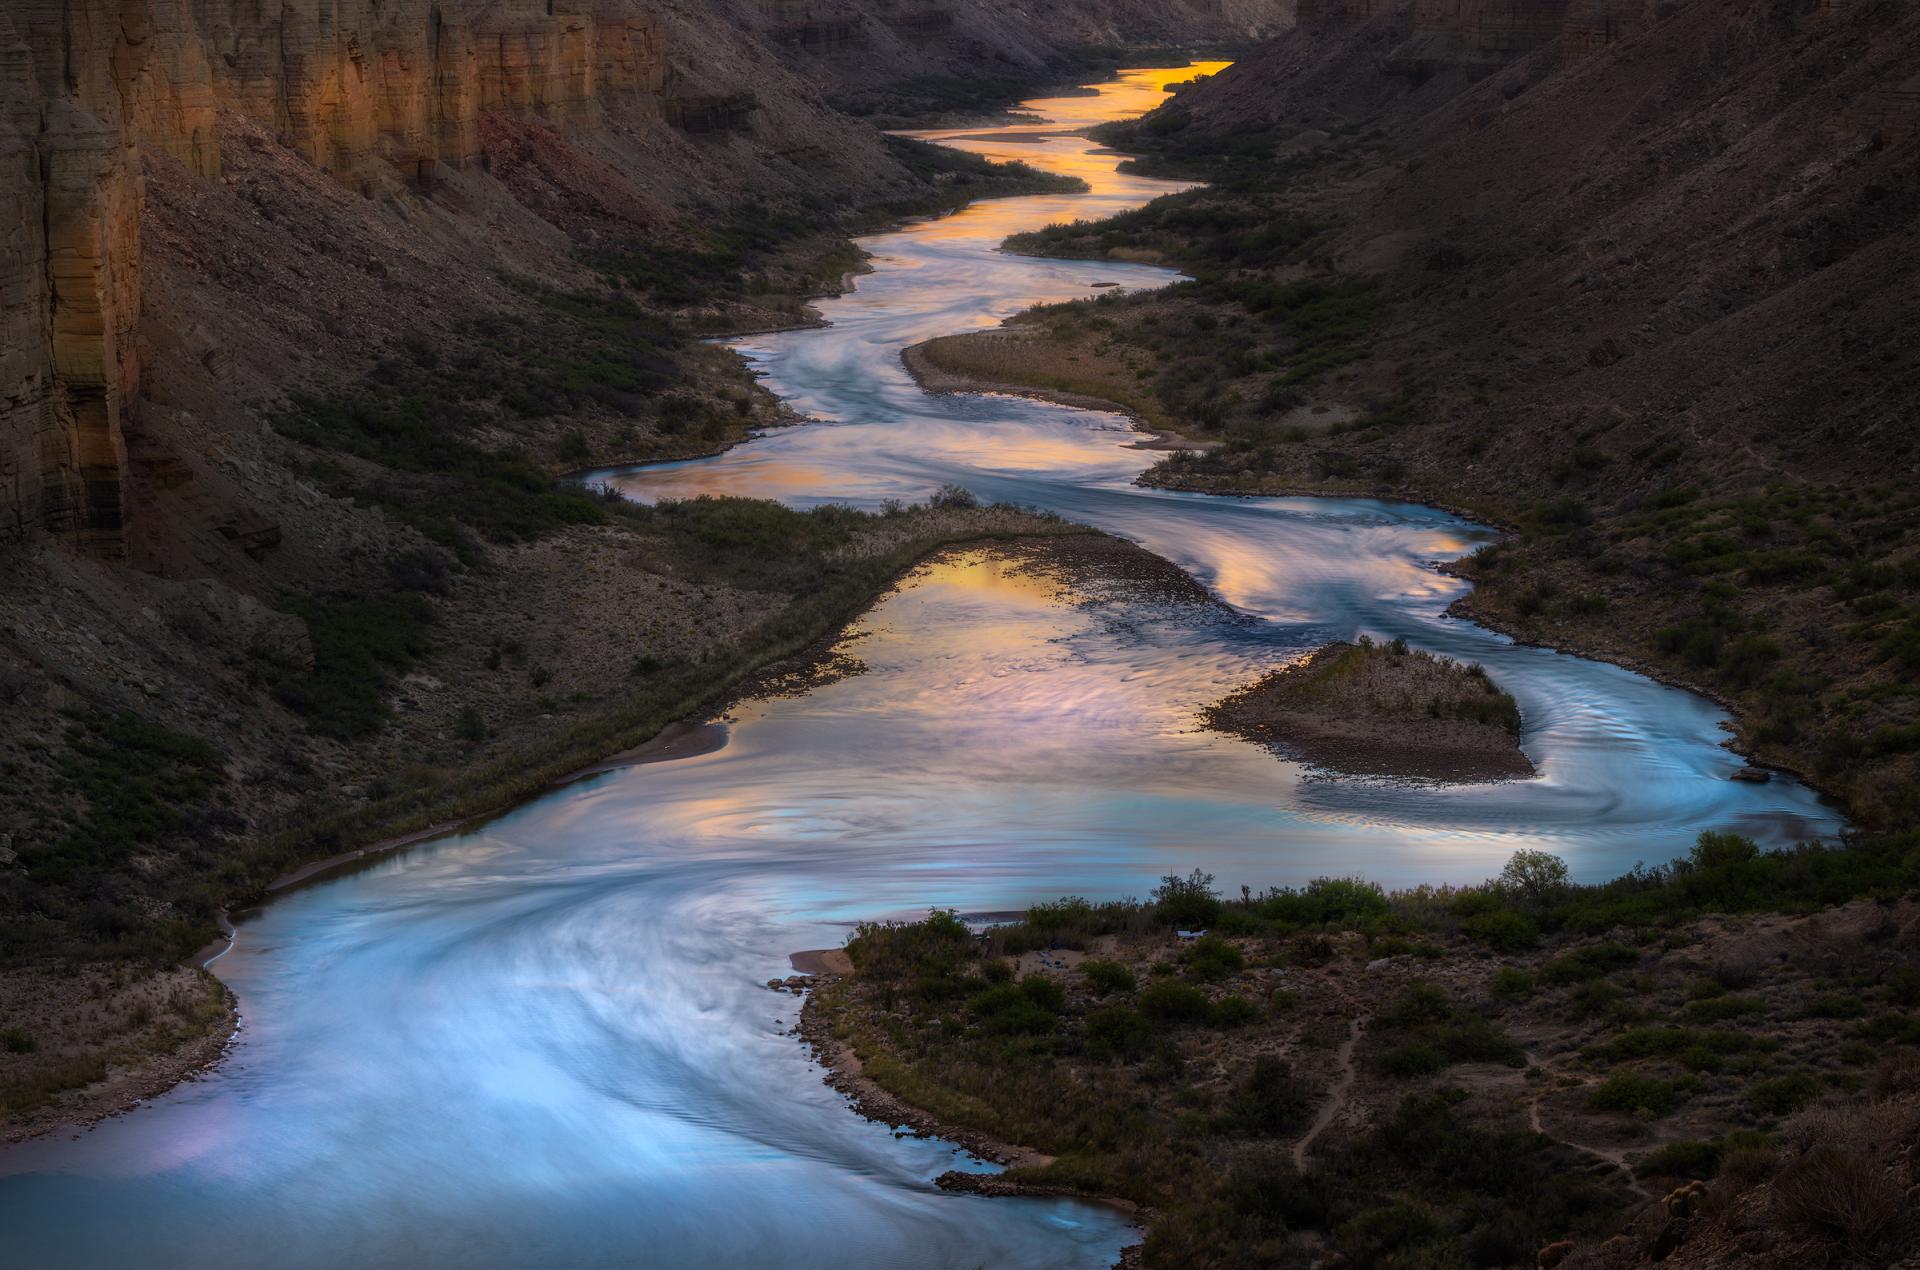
(1639, 286)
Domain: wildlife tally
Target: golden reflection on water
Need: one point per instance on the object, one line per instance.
(1045, 146)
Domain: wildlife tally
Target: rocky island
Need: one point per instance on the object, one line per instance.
(1367, 709)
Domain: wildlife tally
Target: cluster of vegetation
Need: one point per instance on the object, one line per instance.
(1118, 1072)
(419, 436)
(1231, 353)
(124, 1034)
(131, 818)
(1829, 691)
(1394, 678)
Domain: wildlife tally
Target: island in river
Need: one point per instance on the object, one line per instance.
(1370, 709)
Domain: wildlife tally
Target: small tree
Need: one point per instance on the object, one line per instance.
(1712, 850)
(1534, 879)
(1188, 901)
(470, 726)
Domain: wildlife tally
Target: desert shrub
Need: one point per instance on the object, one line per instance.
(1592, 999)
(1392, 1234)
(1832, 1005)
(953, 497)
(1104, 977)
(1659, 1041)
(1837, 1191)
(1213, 958)
(1437, 1033)
(470, 727)
(1512, 983)
(1173, 1002)
(18, 1041)
(1897, 1075)
(1903, 987)
(1692, 1158)
(360, 643)
(1420, 1003)
(891, 950)
(1714, 1009)
(1118, 1034)
(1632, 1093)
(1590, 962)
(1310, 950)
(1503, 931)
(1783, 1095)
(1187, 902)
(1271, 1102)
(1233, 1010)
(1717, 850)
(1337, 902)
(1029, 1008)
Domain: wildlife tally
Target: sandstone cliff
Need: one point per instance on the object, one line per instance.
(371, 93)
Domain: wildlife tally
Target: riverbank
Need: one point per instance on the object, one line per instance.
(1467, 1053)
(87, 1043)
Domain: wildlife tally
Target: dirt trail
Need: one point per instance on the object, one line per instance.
(1616, 1156)
(1336, 1094)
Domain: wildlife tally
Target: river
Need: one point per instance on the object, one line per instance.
(543, 1043)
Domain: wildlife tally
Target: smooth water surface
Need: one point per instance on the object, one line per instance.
(543, 1043)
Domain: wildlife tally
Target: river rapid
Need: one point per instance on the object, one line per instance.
(544, 1043)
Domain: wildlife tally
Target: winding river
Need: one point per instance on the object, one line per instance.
(543, 1043)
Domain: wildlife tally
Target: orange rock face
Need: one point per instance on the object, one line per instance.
(354, 86)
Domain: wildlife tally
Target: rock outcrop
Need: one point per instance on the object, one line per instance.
(370, 92)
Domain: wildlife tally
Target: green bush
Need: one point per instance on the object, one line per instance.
(1105, 977)
(1233, 1011)
(1172, 1002)
(1512, 983)
(1188, 903)
(360, 643)
(1633, 1093)
(1690, 1158)
(1717, 850)
(1118, 1034)
(1783, 1095)
(1271, 1102)
(1903, 987)
(1420, 1003)
(1504, 931)
(1342, 902)
(1212, 958)
(1717, 1008)
(938, 944)
(1590, 962)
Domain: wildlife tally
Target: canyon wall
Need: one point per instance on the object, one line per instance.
(368, 91)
